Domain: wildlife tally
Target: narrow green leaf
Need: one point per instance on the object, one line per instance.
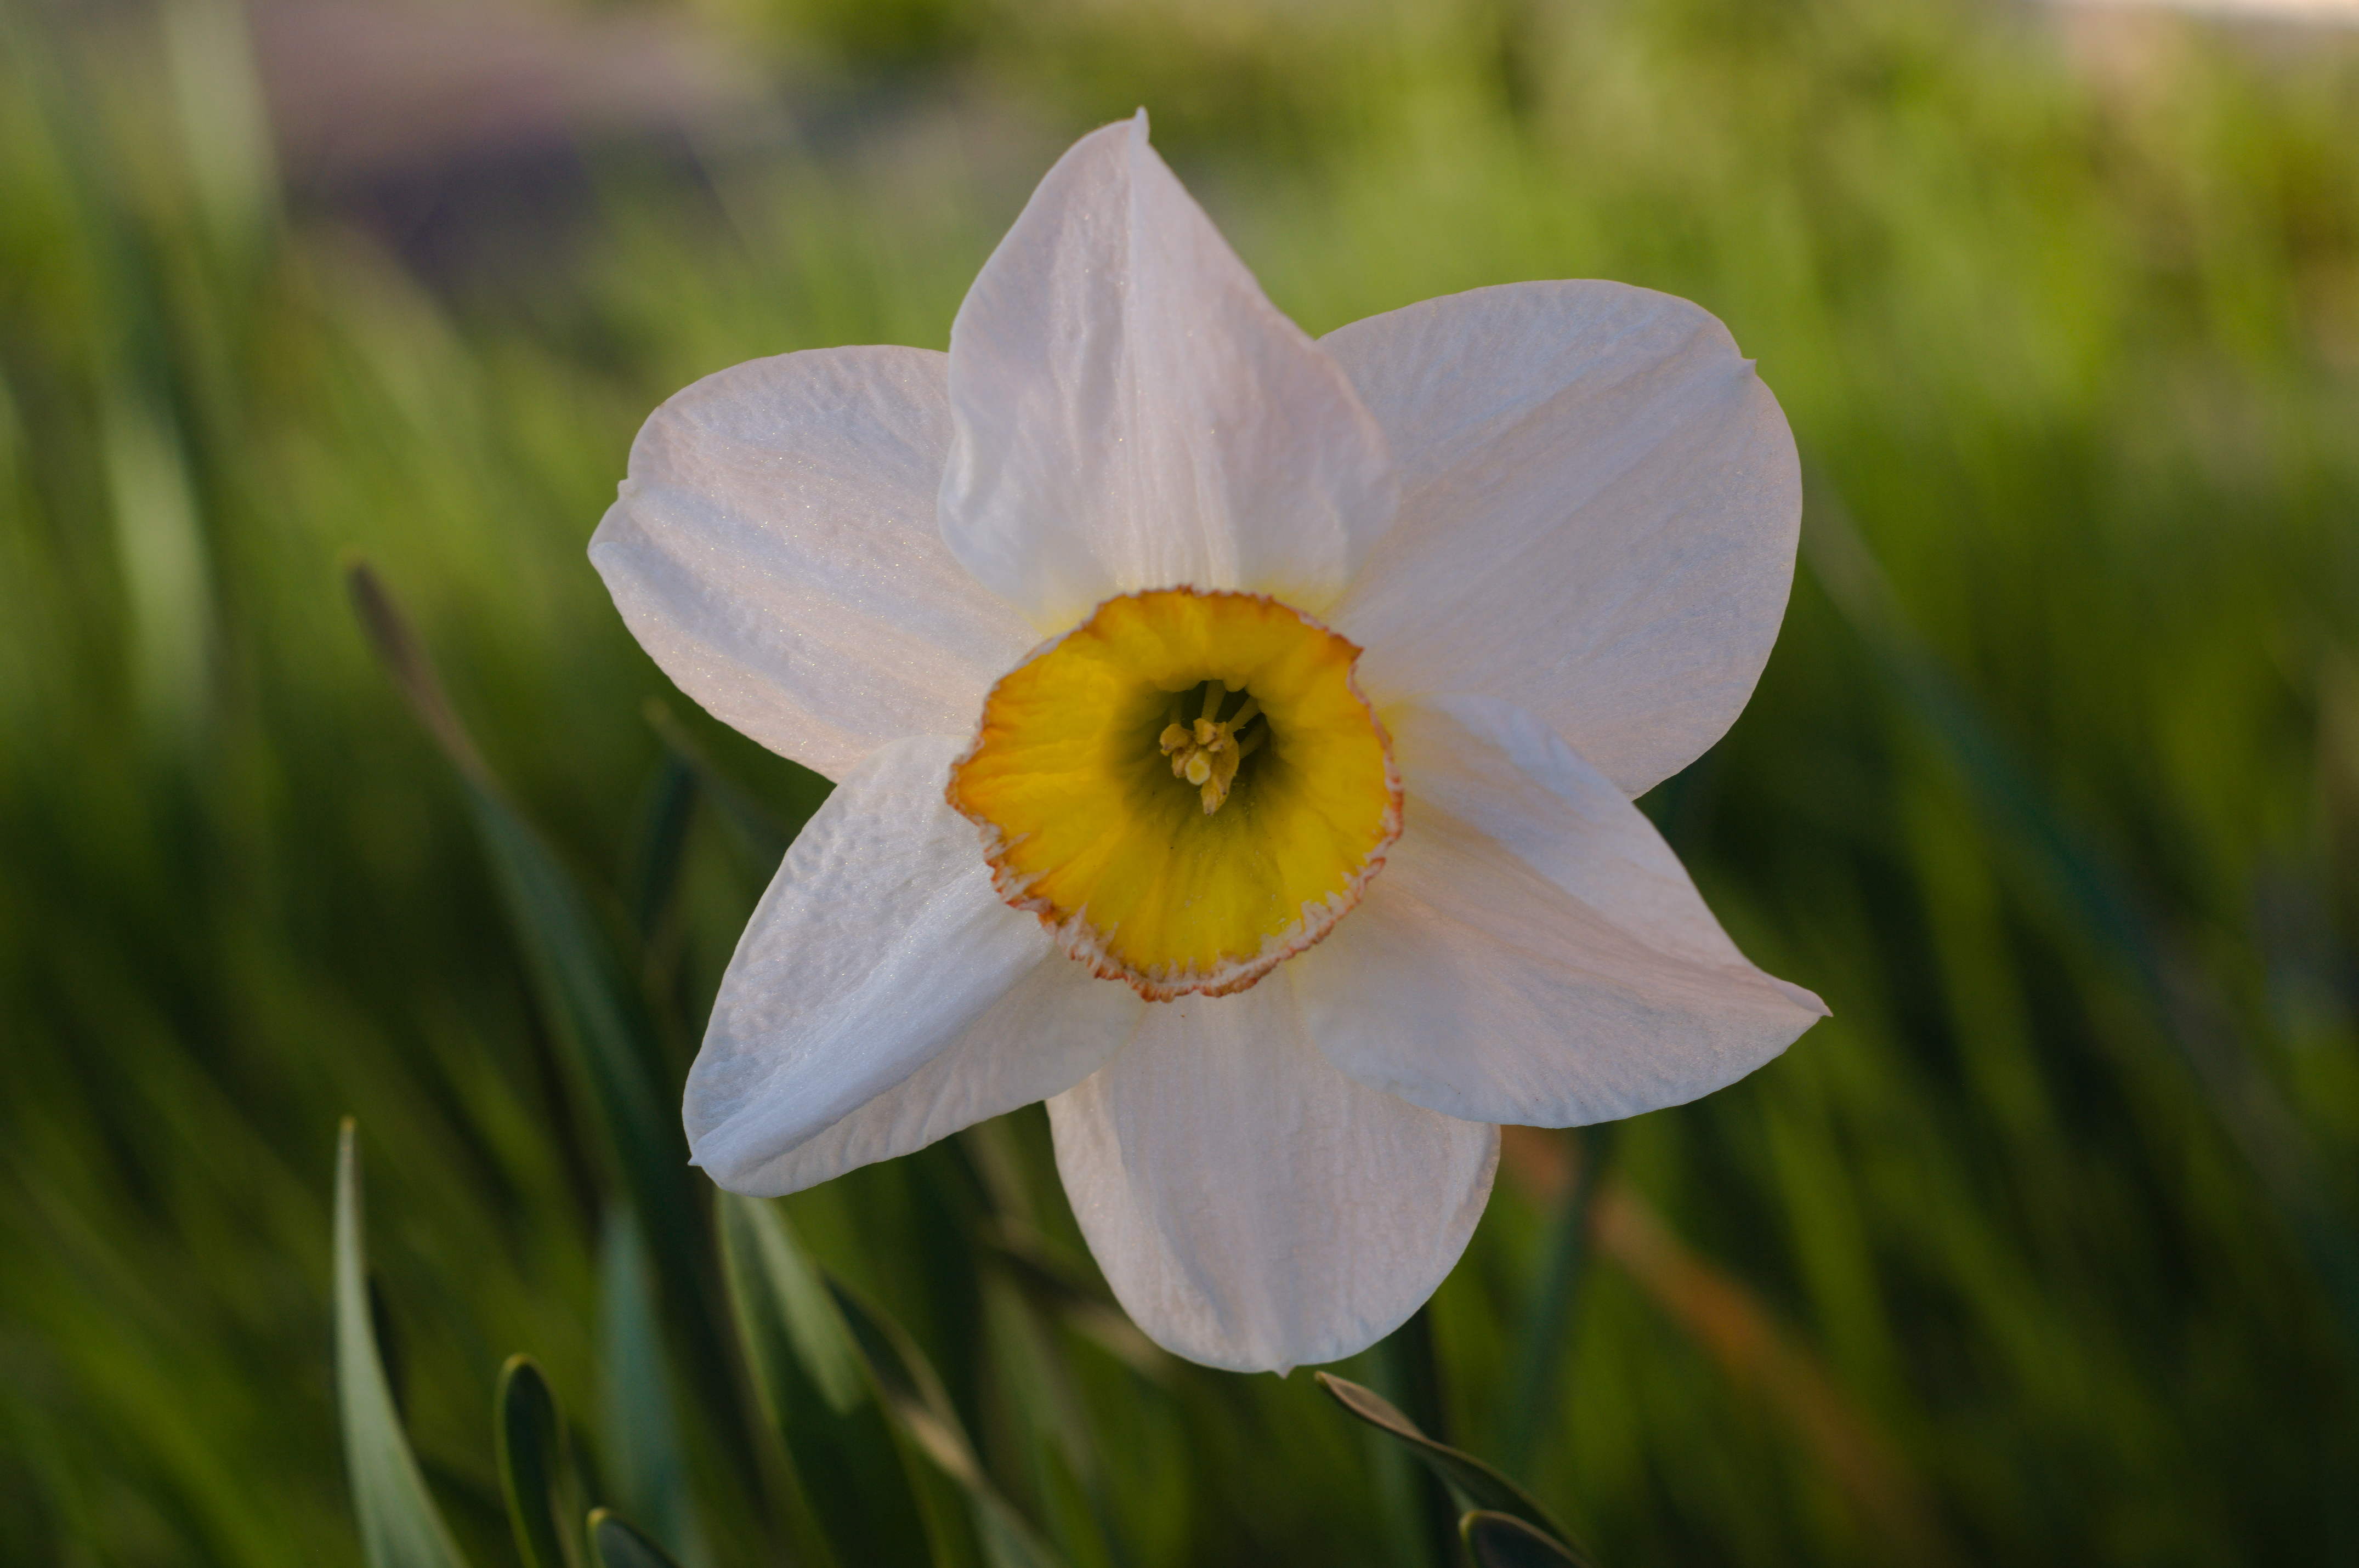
(639, 1425)
(590, 1007)
(1549, 1323)
(616, 1543)
(1406, 1365)
(404, 659)
(817, 1392)
(759, 834)
(653, 880)
(2101, 895)
(1503, 1541)
(918, 1399)
(1057, 1442)
(536, 1473)
(593, 1009)
(579, 986)
(1481, 1485)
(1066, 1292)
(399, 1525)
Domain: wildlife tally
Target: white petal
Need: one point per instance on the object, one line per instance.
(1132, 412)
(1533, 952)
(1252, 1207)
(775, 550)
(1055, 1026)
(879, 945)
(1599, 507)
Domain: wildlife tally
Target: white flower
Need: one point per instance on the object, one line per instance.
(1150, 643)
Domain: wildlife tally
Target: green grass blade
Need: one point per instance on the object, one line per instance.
(399, 1525)
(536, 1473)
(1532, 1393)
(1406, 1365)
(1067, 1294)
(2103, 901)
(918, 1399)
(1503, 1541)
(582, 993)
(616, 1543)
(757, 833)
(591, 1007)
(1482, 1486)
(579, 986)
(640, 1425)
(817, 1392)
(652, 883)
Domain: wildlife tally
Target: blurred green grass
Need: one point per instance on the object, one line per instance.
(2055, 798)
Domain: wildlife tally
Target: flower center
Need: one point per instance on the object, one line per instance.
(1187, 788)
(1208, 752)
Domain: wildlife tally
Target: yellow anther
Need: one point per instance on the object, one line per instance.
(1215, 790)
(1174, 736)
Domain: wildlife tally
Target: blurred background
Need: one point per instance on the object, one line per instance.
(2042, 1251)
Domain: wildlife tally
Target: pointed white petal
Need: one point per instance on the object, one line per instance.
(1252, 1207)
(1055, 1026)
(880, 943)
(774, 549)
(1600, 503)
(1533, 952)
(1132, 412)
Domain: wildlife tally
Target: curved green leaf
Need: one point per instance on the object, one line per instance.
(1503, 1541)
(2100, 893)
(1076, 1297)
(399, 1525)
(1481, 1485)
(535, 1471)
(918, 1399)
(814, 1387)
(615, 1542)
(1423, 1504)
(652, 883)
(759, 833)
(593, 1009)
(1547, 1327)
(589, 1004)
(638, 1427)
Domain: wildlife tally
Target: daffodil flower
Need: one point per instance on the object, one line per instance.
(1234, 735)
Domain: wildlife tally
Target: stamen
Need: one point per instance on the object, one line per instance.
(1215, 790)
(1205, 751)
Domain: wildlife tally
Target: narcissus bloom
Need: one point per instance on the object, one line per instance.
(1235, 737)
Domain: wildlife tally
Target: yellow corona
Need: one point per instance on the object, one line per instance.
(1188, 787)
